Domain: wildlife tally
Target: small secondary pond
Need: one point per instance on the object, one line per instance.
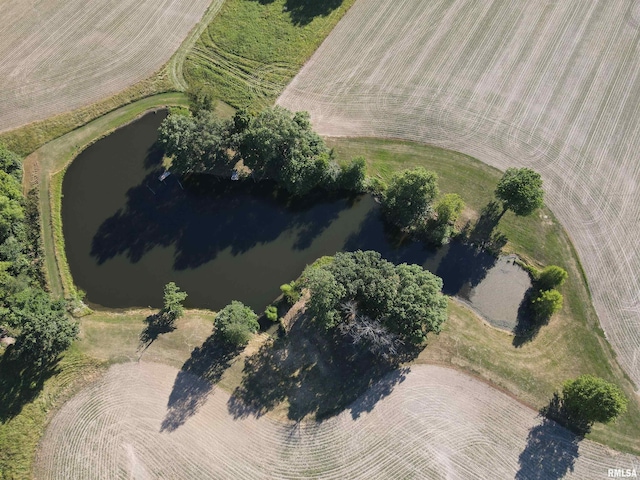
(127, 234)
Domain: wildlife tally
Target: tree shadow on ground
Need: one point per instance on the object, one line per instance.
(304, 12)
(195, 380)
(483, 233)
(529, 323)
(317, 375)
(21, 383)
(208, 216)
(551, 449)
(157, 324)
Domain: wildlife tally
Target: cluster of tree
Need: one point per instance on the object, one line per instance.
(274, 144)
(589, 399)
(408, 203)
(367, 297)
(40, 325)
(546, 299)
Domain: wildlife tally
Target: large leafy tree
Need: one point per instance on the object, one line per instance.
(407, 200)
(45, 329)
(281, 145)
(236, 323)
(591, 399)
(196, 144)
(406, 299)
(520, 190)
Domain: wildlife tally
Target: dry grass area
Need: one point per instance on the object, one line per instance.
(57, 56)
(549, 85)
(437, 423)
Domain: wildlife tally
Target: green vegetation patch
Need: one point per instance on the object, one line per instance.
(253, 48)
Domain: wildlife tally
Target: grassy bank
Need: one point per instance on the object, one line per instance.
(573, 343)
(253, 48)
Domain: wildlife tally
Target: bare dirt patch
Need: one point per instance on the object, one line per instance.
(59, 55)
(549, 85)
(438, 423)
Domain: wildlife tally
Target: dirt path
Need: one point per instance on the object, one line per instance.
(438, 423)
(58, 55)
(545, 84)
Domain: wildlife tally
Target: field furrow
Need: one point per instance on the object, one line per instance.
(56, 56)
(554, 86)
(437, 423)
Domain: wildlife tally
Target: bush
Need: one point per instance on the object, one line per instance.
(236, 323)
(290, 292)
(271, 313)
(591, 399)
(551, 277)
(376, 186)
(407, 201)
(353, 175)
(547, 303)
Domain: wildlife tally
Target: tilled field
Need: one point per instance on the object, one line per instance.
(437, 423)
(63, 54)
(551, 85)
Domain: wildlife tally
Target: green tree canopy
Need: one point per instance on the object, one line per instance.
(281, 145)
(353, 176)
(449, 208)
(407, 200)
(405, 299)
(10, 163)
(173, 299)
(547, 303)
(551, 277)
(45, 330)
(592, 399)
(196, 144)
(236, 323)
(520, 190)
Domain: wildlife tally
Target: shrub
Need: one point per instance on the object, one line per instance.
(236, 323)
(290, 292)
(271, 313)
(551, 277)
(547, 303)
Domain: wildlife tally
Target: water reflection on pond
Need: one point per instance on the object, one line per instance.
(127, 234)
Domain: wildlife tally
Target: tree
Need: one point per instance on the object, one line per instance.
(449, 208)
(196, 144)
(405, 300)
(45, 330)
(408, 198)
(173, 298)
(236, 323)
(282, 146)
(201, 98)
(551, 277)
(547, 303)
(591, 399)
(520, 190)
(353, 176)
(10, 163)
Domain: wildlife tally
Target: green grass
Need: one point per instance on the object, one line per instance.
(253, 49)
(573, 343)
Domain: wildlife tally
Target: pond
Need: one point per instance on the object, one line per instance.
(128, 233)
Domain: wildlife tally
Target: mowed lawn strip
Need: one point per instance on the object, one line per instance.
(251, 51)
(573, 343)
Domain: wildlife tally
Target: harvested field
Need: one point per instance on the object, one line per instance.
(549, 85)
(438, 423)
(59, 55)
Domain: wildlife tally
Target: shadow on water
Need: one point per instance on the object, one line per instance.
(304, 11)
(195, 380)
(317, 376)
(461, 266)
(211, 215)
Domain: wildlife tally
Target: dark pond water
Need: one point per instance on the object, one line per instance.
(127, 234)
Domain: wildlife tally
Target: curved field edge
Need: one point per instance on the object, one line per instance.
(84, 53)
(44, 169)
(435, 423)
(552, 86)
